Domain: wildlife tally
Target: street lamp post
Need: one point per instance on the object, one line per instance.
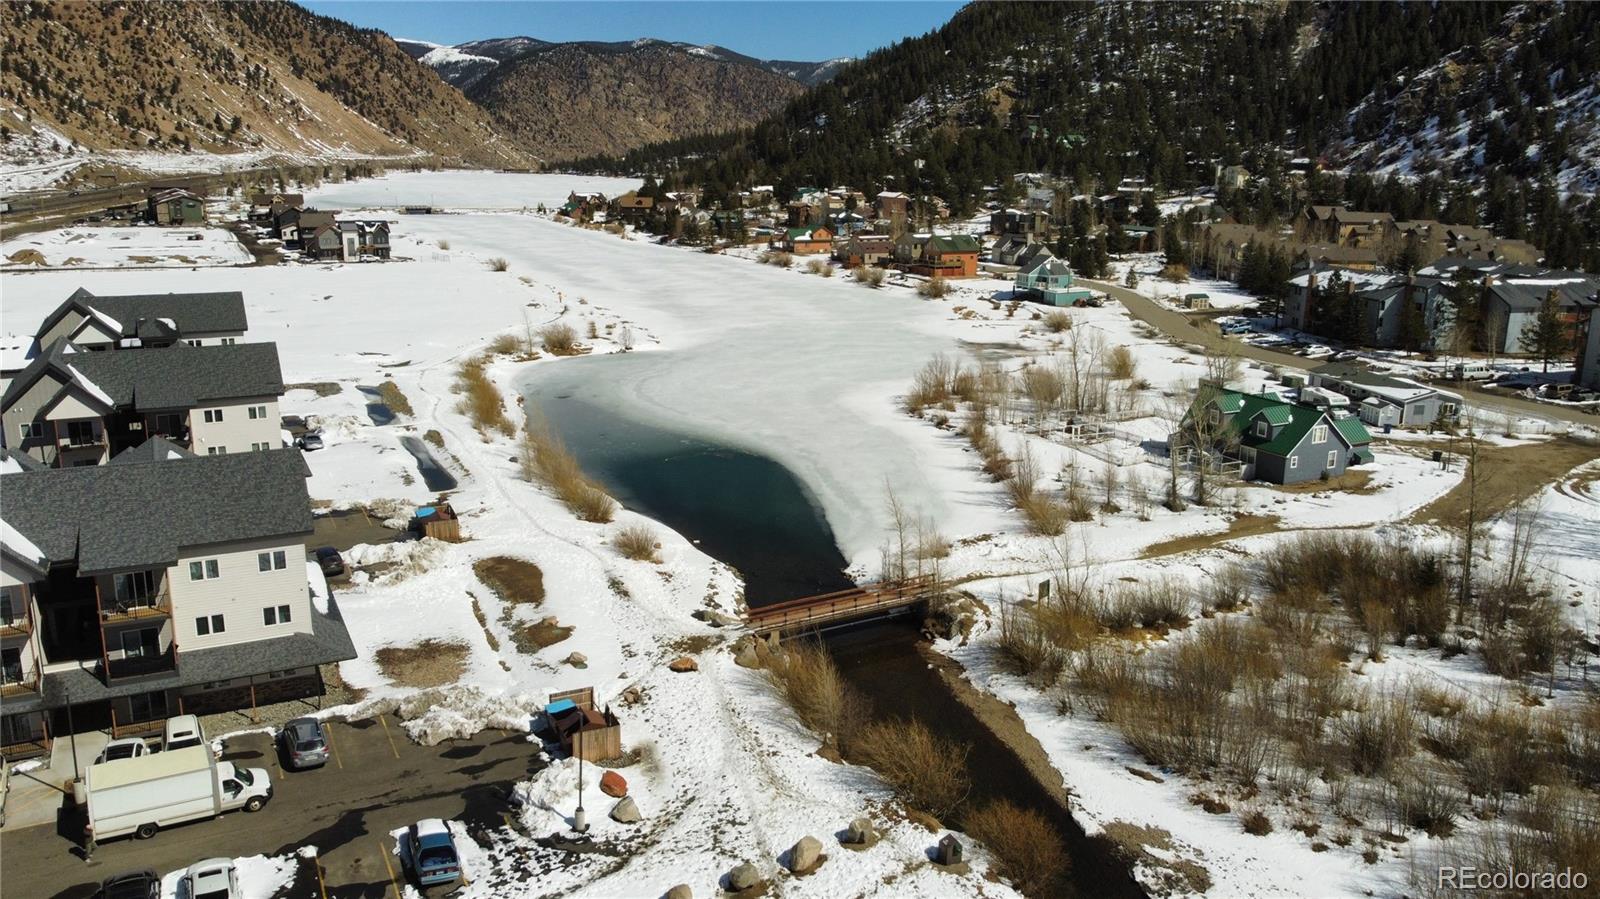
(580, 822)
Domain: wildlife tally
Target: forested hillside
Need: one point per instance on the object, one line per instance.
(1099, 92)
(229, 76)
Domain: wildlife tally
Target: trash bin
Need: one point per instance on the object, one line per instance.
(1388, 429)
(1438, 455)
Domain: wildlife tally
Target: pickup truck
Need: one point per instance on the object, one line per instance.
(141, 795)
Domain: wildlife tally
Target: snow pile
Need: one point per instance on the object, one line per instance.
(452, 713)
(260, 876)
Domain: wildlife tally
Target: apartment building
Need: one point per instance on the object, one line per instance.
(144, 320)
(161, 583)
(73, 407)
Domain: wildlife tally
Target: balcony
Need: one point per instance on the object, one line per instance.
(123, 611)
(19, 682)
(15, 627)
(142, 666)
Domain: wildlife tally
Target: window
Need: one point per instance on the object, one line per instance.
(144, 643)
(11, 665)
(258, 447)
(257, 412)
(228, 341)
(213, 416)
(31, 429)
(148, 706)
(1333, 459)
(212, 625)
(80, 433)
(1294, 461)
(275, 615)
(1248, 454)
(135, 586)
(192, 342)
(11, 604)
(1261, 429)
(1216, 416)
(216, 451)
(1319, 434)
(204, 570)
(272, 561)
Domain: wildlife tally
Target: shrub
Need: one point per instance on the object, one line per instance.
(443, 244)
(809, 681)
(559, 339)
(498, 264)
(1174, 271)
(1256, 823)
(1029, 850)
(1228, 588)
(1120, 364)
(927, 771)
(820, 267)
(636, 542)
(870, 275)
(1428, 802)
(1379, 734)
(1057, 321)
(392, 397)
(481, 400)
(505, 345)
(778, 258)
(934, 287)
(546, 460)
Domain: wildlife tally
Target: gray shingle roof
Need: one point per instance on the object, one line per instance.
(175, 377)
(156, 449)
(139, 514)
(194, 313)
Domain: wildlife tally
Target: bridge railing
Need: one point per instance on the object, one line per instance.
(829, 606)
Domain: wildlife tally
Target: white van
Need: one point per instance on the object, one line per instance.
(181, 733)
(1471, 371)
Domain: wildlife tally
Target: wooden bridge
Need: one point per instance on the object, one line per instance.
(828, 609)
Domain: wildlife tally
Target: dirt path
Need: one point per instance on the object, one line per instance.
(1507, 476)
(1242, 526)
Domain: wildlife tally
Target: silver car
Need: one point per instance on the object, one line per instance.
(305, 744)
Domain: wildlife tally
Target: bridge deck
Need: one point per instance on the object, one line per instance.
(839, 606)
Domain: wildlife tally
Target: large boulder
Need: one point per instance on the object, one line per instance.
(681, 891)
(613, 784)
(805, 855)
(743, 877)
(860, 832)
(626, 811)
(577, 660)
(683, 664)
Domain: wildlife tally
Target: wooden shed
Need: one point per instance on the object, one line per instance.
(583, 730)
(438, 521)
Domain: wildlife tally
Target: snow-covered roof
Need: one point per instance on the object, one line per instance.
(113, 324)
(431, 827)
(15, 543)
(93, 388)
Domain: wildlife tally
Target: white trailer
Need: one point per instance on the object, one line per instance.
(142, 795)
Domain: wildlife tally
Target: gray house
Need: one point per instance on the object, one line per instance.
(1274, 440)
(1512, 300)
(1385, 400)
(144, 320)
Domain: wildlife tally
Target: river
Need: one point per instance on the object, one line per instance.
(749, 512)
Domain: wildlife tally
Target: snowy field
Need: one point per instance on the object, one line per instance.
(809, 371)
(81, 247)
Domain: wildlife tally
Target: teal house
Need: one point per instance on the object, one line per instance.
(1049, 281)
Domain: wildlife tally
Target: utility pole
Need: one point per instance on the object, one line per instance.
(580, 822)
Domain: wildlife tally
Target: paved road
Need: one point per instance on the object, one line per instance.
(378, 782)
(1176, 324)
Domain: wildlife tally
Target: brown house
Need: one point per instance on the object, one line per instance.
(865, 249)
(893, 205)
(808, 241)
(632, 206)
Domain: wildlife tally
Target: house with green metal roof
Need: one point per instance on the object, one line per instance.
(1273, 439)
(1049, 281)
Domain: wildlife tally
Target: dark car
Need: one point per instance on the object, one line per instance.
(330, 560)
(133, 885)
(305, 745)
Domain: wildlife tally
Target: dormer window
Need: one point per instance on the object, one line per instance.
(1261, 429)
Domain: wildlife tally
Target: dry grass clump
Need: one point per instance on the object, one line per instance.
(941, 382)
(819, 267)
(927, 771)
(481, 400)
(505, 345)
(1038, 640)
(1045, 513)
(1256, 823)
(1227, 589)
(442, 244)
(498, 264)
(1030, 851)
(390, 393)
(1379, 734)
(559, 339)
(870, 275)
(431, 663)
(1174, 271)
(546, 460)
(1057, 321)
(1120, 364)
(778, 258)
(638, 543)
(996, 464)
(1390, 589)
(515, 581)
(934, 288)
(809, 681)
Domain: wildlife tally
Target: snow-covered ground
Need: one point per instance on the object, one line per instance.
(84, 246)
(804, 369)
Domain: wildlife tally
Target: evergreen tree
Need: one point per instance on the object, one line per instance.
(1548, 338)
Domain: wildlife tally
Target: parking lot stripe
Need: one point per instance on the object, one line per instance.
(389, 735)
(393, 880)
(327, 733)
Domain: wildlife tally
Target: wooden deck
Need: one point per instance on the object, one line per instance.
(839, 607)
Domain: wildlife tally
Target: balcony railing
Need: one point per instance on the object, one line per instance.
(140, 666)
(118, 611)
(15, 627)
(68, 441)
(19, 681)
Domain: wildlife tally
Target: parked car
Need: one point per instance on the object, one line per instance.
(305, 744)
(432, 851)
(181, 733)
(309, 441)
(214, 878)
(331, 562)
(132, 885)
(126, 748)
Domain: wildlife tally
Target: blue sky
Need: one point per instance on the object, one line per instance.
(769, 29)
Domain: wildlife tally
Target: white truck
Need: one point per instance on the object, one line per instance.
(142, 795)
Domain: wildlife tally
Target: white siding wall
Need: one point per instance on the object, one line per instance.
(240, 592)
(237, 430)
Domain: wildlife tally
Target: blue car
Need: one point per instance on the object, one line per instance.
(433, 853)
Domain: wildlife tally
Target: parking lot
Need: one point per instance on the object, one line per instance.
(377, 781)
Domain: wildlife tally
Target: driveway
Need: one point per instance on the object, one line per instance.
(377, 782)
(1180, 326)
